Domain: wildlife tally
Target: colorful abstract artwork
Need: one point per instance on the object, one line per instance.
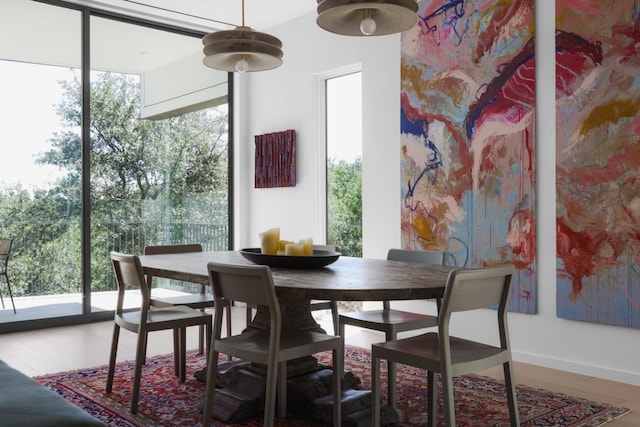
(468, 144)
(275, 157)
(598, 161)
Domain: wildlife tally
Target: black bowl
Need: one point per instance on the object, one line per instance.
(319, 258)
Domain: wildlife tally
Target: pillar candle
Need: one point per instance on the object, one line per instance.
(308, 246)
(283, 244)
(270, 241)
(294, 249)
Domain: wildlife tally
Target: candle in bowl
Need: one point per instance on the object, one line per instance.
(294, 249)
(283, 244)
(308, 246)
(270, 241)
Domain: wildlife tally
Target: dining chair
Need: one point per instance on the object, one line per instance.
(392, 321)
(315, 305)
(5, 252)
(146, 319)
(272, 347)
(200, 301)
(439, 352)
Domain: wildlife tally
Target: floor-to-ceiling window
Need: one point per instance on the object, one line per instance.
(344, 162)
(159, 143)
(112, 144)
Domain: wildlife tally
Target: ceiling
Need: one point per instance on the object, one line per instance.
(50, 35)
(212, 14)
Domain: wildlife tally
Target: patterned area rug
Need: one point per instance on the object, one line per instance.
(164, 401)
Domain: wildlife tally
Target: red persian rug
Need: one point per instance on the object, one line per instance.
(164, 401)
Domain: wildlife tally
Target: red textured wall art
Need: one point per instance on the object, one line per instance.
(276, 159)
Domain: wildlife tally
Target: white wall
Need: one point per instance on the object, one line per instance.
(286, 98)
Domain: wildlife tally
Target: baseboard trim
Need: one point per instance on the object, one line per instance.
(626, 377)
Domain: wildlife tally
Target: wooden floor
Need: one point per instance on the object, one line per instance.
(61, 349)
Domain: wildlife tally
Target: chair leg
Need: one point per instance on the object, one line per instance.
(375, 389)
(391, 374)
(432, 399)
(270, 394)
(203, 291)
(341, 328)
(447, 400)
(176, 352)
(6, 276)
(335, 316)
(512, 396)
(135, 392)
(338, 368)
(201, 338)
(212, 369)
(183, 354)
(112, 357)
(209, 331)
(228, 314)
(249, 315)
(281, 389)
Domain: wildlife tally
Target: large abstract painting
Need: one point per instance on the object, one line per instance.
(468, 144)
(598, 160)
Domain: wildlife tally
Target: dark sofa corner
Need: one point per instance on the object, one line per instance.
(26, 403)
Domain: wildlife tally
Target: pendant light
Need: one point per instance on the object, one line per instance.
(367, 17)
(241, 49)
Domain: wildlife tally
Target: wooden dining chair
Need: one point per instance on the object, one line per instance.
(200, 301)
(439, 352)
(392, 321)
(316, 305)
(5, 252)
(272, 347)
(146, 319)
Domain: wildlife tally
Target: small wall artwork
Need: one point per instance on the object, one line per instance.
(467, 137)
(275, 159)
(598, 161)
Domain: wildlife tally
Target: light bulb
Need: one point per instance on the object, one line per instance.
(242, 65)
(368, 26)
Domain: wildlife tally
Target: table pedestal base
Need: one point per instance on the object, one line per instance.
(309, 395)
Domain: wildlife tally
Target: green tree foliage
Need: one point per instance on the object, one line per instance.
(166, 171)
(134, 159)
(344, 202)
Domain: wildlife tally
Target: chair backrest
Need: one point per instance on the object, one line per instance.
(251, 284)
(477, 288)
(5, 250)
(424, 257)
(173, 249)
(474, 289)
(129, 273)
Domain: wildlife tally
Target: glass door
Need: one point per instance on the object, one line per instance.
(39, 199)
(114, 137)
(158, 147)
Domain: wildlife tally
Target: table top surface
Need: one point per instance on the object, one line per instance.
(347, 279)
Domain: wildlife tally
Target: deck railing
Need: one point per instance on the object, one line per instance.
(45, 258)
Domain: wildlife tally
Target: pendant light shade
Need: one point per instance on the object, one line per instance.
(367, 17)
(241, 49)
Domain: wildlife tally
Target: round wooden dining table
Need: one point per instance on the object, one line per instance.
(347, 279)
